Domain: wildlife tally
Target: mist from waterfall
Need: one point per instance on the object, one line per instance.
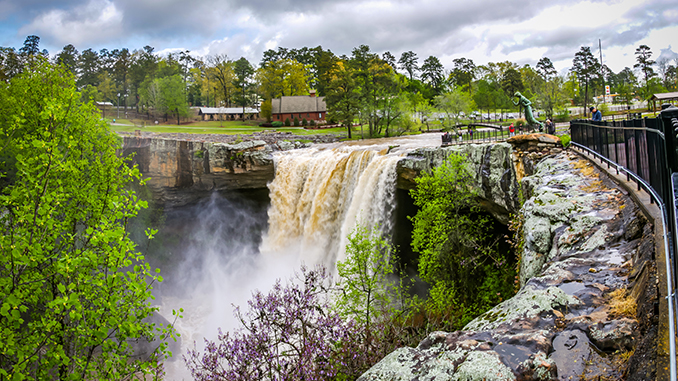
(219, 251)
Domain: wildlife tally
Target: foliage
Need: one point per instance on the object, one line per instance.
(287, 122)
(562, 115)
(277, 123)
(73, 290)
(457, 258)
(453, 104)
(565, 140)
(304, 122)
(295, 123)
(363, 295)
(288, 334)
(267, 110)
(585, 66)
(343, 94)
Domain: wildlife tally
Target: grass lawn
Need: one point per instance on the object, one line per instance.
(213, 127)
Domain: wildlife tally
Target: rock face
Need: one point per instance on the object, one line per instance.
(583, 239)
(181, 172)
(496, 177)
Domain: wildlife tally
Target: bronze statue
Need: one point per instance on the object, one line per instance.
(527, 105)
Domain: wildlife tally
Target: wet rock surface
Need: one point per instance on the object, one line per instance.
(495, 174)
(584, 239)
(184, 168)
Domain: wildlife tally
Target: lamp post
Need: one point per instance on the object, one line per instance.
(118, 106)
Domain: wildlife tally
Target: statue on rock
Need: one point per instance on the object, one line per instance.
(527, 105)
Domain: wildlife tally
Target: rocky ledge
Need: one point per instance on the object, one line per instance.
(184, 168)
(585, 310)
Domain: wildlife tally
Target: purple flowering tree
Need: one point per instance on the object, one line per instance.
(288, 334)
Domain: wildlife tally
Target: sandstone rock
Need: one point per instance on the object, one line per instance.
(613, 335)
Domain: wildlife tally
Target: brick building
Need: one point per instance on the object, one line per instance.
(307, 107)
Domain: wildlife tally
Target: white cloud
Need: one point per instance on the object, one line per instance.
(95, 22)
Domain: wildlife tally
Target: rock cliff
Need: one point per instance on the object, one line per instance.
(181, 172)
(586, 249)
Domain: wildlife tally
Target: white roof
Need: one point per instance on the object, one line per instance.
(227, 110)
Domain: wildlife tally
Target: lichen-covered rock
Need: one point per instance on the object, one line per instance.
(527, 304)
(576, 250)
(614, 335)
(495, 175)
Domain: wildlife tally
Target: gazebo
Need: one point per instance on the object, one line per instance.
(663, 98)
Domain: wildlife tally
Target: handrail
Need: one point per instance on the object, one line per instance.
(623, 128)
(670, 294)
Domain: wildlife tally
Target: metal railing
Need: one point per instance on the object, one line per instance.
(482, 133)
(641, 150)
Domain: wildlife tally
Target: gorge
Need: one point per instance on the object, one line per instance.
(238, 216)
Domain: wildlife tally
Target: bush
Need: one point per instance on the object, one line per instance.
(277, 123)
(304, 122)
(565, 140)
(291, 333)
(287, 122)
(267, 124)
(312, 123)
(296, 122)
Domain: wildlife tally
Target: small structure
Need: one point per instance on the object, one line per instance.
(663, 98)
(227, 113)
(307, 107)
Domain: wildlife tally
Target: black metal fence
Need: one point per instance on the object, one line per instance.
(638, 145)
(647, 151)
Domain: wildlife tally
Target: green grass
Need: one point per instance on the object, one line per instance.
(213, 127)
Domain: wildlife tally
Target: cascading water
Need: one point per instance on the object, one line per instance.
(318, 196)
(316, 199)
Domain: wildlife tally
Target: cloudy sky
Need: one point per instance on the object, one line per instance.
(521, 31)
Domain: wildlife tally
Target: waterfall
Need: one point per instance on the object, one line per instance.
(217, 252)
(318, 196)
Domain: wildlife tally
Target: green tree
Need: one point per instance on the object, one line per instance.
(171, 97)
(585, 66)
(432, 73)
(343, 95)
(463, 73)
(457, 257)
(512, 82)
(454, 105)
(88, 68)
(69, 58)
(74, 292)
(243, 82)
(267, 109)
(364, 289)
(644, 64)
(408, 62)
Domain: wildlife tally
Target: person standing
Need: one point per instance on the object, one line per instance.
(596, 116)
(512, 130)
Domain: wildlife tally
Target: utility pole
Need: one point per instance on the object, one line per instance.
(600, 48)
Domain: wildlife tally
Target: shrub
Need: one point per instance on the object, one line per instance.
(312, 123)
(289, 333)
(287, 122)
(295, 122)
(277, 123)
(304, 122)
(565, 140)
